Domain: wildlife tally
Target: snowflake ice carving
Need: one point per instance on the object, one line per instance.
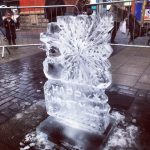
(82, 42)
(77, 69)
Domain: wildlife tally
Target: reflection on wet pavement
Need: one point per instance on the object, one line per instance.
(21, 87)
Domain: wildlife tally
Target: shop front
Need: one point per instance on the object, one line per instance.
(32, 3)
(141, 10)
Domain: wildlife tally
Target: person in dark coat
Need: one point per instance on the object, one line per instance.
(118, 12)
(52, 13)
(83, 8)
(10, 29)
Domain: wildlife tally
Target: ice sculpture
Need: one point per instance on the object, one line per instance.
(76, 66)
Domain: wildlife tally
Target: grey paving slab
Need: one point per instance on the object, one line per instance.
(127, 80)
(136, 64)
(139, 59)
(128, 70)
(147, 71)
(143, 86)
(117, 61)
(129, 51)
(131, 67)
(145, 78)
(143, 53)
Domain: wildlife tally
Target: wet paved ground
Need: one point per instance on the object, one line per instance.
(18, 53)
(131, 67)
(21, 86)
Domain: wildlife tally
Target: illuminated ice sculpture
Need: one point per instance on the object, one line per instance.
(77, 69)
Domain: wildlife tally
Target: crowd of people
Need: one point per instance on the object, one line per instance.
(116, 10)
(10, 21)
(52, 13)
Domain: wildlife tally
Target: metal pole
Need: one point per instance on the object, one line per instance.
(3, 51)
(143, 11)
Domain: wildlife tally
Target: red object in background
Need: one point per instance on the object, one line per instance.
(145, 10)
(133, 7)
(32, 3)
(70, 2)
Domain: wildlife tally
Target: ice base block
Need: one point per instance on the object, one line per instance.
(71, 138)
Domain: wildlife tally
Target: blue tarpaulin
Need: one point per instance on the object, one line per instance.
(138, 9)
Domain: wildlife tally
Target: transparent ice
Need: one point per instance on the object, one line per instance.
(77, 68)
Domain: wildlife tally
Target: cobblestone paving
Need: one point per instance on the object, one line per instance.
(21, 85)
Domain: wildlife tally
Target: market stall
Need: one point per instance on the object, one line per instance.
(141, 10)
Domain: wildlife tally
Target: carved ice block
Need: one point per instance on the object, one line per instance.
(77, 68)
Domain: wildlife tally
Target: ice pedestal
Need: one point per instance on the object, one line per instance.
(77, 69)
(64, 137)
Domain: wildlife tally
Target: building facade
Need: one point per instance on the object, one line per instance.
(17, 2)
(11, 2)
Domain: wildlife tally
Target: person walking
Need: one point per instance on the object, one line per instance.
(81, 5)
(10, 29)
(118, 11)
